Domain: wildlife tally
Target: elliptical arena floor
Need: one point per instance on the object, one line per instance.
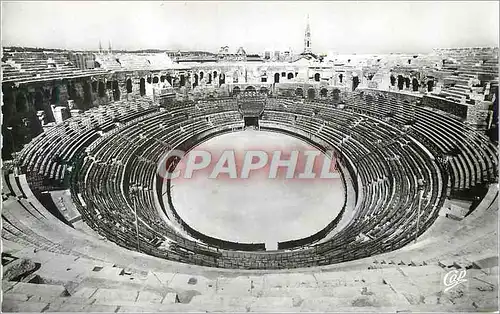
(257, 209)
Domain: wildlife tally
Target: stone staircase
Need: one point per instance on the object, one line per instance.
(69, 283)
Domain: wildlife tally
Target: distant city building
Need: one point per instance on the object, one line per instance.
(226, 54)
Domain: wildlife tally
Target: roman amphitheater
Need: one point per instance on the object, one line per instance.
(90, 225)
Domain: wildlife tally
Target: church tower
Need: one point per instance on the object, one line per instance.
(307, 38)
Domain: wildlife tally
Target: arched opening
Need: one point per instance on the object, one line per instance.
(142, 87)
(250, 89)
(393, 80)
(430, 86)
(355, 82)
(336, 94)
(311, 93)
(195, 80)
(214, 75)
(201, 75)
(407, 82)
(283, 74)
(87, 95)
(209, 78)
(129, 86)
(162, 78)
(276, 77)
(316, 77)
(263, 90)
(415, 84)
(401, 82)
(323, 92)
(72, 94)
(149, 80)
(222, 78)
(236, 91)
(341, 77)
(21, 102)
(299, 92)
(39, 100)
(101, 89)
(290, 76)
(54, 99)
(116, 91)
(182, 80)
(156, 80)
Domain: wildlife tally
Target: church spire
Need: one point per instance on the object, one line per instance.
(109, 46)
(307, 38)
(100, 46)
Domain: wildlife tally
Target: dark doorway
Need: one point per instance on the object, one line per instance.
(401, 82)
(252, 122)
(162, 78)
(393, 80)
(101, 89)
(87, 95)
(336, 94)
(201, 75)
(290, 76)
(311, 93)
(195, 80)
(430, 86)
(276, 77)
(54, 100)
(142, 87)
(355, 82)
(299, 92)
(116, 91)
(72, 90)
(341, 77)
(323, 93)
(21, 102)
(182, 80)
(129, 86)
(316, 77)
(39, 100)
(415, 85)
(155, 80)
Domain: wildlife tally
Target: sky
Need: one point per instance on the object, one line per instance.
(342, 27)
